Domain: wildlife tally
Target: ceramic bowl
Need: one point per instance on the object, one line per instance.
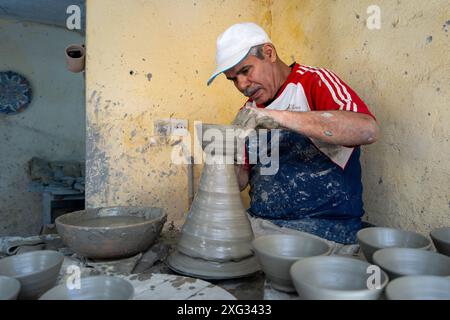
(93, 288)
(115, 232)
(9, 288)
(337, 278)
(276, 253)
(441, 240)
(373, 239)
(399, 262)
(36, 271)
(419, 288)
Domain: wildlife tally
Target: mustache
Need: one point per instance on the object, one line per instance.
(250, 91)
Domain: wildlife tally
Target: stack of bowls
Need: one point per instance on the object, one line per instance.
(276, 253)
(36, 271)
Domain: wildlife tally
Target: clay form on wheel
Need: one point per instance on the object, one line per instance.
(217, 230)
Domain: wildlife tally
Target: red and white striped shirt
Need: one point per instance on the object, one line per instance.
(318, 89)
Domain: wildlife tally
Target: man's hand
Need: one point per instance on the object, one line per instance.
(250, 117)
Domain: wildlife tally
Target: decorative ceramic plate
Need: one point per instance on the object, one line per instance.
(15, 92)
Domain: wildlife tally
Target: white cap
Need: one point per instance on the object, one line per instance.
(234, 44)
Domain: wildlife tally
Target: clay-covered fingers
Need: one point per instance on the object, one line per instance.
(245, 118)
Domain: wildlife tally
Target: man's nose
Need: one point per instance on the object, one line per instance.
(242, 83)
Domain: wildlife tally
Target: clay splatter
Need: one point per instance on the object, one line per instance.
(149, 76)
(429, 39)
(328, 133)
(179, 281)
(326, 115)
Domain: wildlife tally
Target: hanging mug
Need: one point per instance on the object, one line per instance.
(75, 57)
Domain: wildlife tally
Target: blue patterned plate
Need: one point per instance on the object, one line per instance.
(15, 92)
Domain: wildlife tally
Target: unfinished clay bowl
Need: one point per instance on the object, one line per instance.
(93, 288)
(9, 288)
(399, 262)
(335, 278)
(376, 238)
(441, 240)
(276, 253)
(113, 232)
(37, 271)
(419, 288)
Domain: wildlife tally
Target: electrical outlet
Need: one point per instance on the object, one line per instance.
(179, 127)
(171, 127)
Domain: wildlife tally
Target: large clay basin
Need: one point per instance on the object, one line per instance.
(112, 232)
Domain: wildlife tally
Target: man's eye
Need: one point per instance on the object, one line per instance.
(245, 71)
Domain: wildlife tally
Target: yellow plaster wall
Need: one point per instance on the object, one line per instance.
(402, 71)
(148, 60)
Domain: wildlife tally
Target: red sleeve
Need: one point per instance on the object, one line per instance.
(329, 92)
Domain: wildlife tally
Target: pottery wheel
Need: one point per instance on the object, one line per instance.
(212, 270)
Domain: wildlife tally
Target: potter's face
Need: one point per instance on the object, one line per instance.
(254, 78)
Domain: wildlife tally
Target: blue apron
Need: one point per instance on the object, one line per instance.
(309, 192)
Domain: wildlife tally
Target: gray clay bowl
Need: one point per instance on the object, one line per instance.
(9, 288)
(336, 278)
(399, 262)
(37, 271)
(93, 288)
(113, 232)
(441, 240)
(376, 238)
(419, 288)
(276, 253)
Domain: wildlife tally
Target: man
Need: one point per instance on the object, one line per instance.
(317, 188)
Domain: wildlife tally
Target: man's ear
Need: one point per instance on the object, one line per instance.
(270, 52)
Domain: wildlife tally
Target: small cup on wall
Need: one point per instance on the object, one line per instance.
(75, 57)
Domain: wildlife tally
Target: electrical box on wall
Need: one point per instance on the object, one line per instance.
(171, 127)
